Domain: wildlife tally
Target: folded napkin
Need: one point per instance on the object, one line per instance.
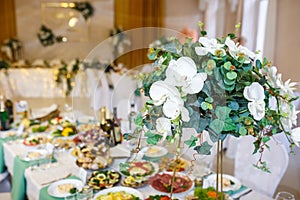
(236, 193)
(120, 151)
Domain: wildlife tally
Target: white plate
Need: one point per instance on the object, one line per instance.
(119, 189)
(34, 154)
(178, 174)
(155, 166)
(53, 188)
(210, 181)
(155, 151)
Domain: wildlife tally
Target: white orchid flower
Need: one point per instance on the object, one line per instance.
(210, 46)
(163, 93)
(295, 135)
(286, 89)
(160, 91)
(274, 78)
(289, 115)
(183, 73)
(239, 52)
(255, 94)
(163, 126)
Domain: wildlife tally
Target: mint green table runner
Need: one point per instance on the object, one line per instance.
(2, 161)
(18, 191)
(44, 192)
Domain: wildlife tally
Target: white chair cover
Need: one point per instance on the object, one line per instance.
(277, 160)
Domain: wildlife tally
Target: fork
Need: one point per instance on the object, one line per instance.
(238, 198)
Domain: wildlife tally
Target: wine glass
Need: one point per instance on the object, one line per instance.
(284, 196)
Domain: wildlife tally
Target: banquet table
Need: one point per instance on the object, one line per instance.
(37, 178)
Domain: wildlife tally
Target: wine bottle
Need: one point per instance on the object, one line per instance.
(110, 123)
(131, 117)
(117, 127)
(4, 116)
(10, 110)
(106, 125)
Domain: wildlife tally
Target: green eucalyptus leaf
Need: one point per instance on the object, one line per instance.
(227, 65)
(209, 99)
(228, 81)
(229, 88)
(242, 131)
(233, 105)
(231, 75)
(258, 64)
(204, 148)
(204, 106)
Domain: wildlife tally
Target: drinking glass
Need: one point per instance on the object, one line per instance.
(284, 196)
(85, 194)
(71, 197)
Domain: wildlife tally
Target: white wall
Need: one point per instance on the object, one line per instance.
(29, 20)
(287, 47)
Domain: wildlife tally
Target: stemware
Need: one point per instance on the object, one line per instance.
(284, 196)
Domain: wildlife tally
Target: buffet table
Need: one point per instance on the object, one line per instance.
(38, 177)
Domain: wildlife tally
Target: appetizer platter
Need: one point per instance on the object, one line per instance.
(229, 182)
(104, 179)
(138, 168)
(119, 192)
(64, 188)
(134, 181)
(162, 182)
(92, 157)
(35, 140)
(178, 164)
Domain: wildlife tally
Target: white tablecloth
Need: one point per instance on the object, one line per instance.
(35, 178)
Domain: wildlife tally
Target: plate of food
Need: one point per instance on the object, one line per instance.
(134, 181)
(179, 164)
(158, 197)
(119, 192)
(34, 154)
(104, 179)
(229, 182)
(35, 140)
(92, 157)
(162, 182)
(206, 194)
(64, 188)
(155, 151)
(138, 168)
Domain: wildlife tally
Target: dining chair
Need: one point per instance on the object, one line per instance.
(4, 182)
(277, 160)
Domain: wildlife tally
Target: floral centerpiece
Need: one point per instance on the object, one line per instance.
(219, 86)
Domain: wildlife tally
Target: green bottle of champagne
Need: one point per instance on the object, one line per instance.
(4, 116)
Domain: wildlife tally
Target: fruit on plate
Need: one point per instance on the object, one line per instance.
(137, 168)
(104, 179)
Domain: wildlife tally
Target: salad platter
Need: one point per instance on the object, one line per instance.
(119, 192)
